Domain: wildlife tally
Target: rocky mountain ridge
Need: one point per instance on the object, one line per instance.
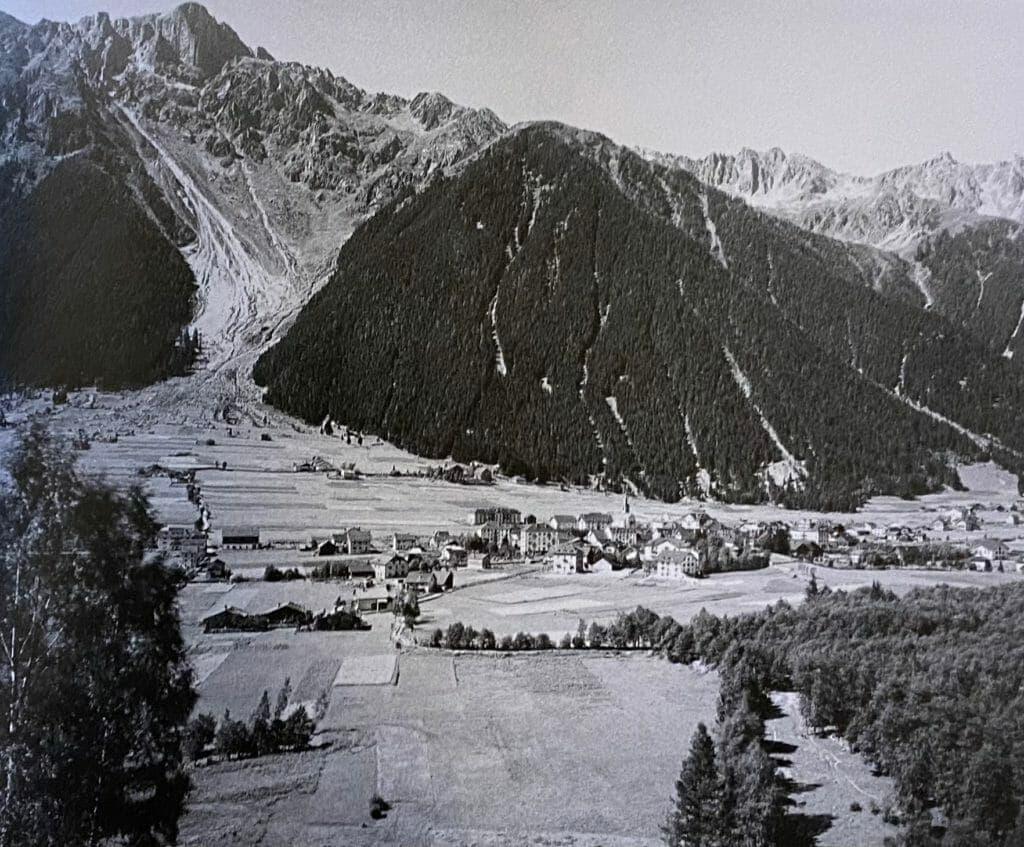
(894, 210)
(257, 170)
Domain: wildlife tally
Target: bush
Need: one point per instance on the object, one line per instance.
(378, 807)
(855, 806)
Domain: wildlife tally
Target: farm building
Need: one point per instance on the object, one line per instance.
(376, 599)
(338, 620)
(361, 569)
(327, 548)
(286, 615)
(240, 538)
(232, 619)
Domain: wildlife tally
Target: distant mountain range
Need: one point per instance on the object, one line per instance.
(743, 326)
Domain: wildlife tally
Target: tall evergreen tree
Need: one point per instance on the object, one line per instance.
(698, 818)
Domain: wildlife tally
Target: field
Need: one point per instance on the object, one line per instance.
(473, 749)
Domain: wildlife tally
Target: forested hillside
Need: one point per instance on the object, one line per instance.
(567, 309)
(90, 287)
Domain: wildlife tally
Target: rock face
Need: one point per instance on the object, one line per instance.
(895, 210)
(257, 170)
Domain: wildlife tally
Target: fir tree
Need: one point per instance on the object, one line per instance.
(698, 818)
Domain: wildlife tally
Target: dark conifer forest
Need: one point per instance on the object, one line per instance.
(91, 290)
(567, 309)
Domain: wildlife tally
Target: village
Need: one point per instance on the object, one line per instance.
(386, 572)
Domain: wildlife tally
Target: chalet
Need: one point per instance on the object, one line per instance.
(676, 564)
(402, 541)
(455, 556)
(394, 567)
(968, 523)
(354, 541)
(604, 565)
(217, 569)
(445, 579)
(327, 548)
(232, 619)
(240, 538)
(286, 615)
(568, 558)
(563, 523)
(338, 620)
(594, 522)
(479, 561)
(500, 516)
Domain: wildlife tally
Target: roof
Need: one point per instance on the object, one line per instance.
(292, 607)
(568, 548)
(227, 610)
(240, 532)
(596, 516)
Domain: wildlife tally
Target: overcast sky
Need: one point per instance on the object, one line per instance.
(861, 85)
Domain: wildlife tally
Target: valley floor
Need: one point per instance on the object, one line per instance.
(555, 748)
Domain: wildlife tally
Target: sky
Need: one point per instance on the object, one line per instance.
(862, 86)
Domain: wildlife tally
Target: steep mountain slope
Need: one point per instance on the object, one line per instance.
(256, 170)
(568, 309)
(958, 225)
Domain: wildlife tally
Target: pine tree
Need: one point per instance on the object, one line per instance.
(698, 819)
(282, 698)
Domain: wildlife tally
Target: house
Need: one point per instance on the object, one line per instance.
(402, 541)
(980, 563)
(440, 538)
(603, 565)
(539, 538)
(455, 556)
(593, 522)
(445, 579)
(808, 551)
(287, 615)
(968, 523)
(422, 582)
(563, 523)
(354, 541)
(232, 619)
(500, 516)
(184, 541)
(394, 567)
(493, 533)
(992, 549)
(676, 564)
(654, 548)
(479, 561)
(375, 599)
(568, 558)
(626, 534)
(240, 538)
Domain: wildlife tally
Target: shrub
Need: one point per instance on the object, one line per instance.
(855, 806)
(199, 734)
(378, 806)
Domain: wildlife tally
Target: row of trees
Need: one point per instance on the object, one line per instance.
(265, 733)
